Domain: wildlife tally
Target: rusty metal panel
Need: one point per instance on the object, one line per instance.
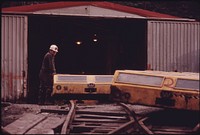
(13, 57)
(173, 45)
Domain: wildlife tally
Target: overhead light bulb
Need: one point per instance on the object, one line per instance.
(95, 38)
(78, 42)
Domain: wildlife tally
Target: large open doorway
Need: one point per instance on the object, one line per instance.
(121, 44)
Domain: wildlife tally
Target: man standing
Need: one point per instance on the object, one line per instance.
(46, 76)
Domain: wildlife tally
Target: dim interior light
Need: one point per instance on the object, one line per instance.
(78, 42)
(95, 38)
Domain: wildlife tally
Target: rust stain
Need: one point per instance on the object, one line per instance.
(8, 81)
(4, 76)
(10, 85)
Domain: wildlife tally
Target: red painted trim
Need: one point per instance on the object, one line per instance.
(108, 5)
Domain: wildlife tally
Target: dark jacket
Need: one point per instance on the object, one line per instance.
(46, 78)
(48, 64)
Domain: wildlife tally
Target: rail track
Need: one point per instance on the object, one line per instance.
(99, 119)
(113, 118)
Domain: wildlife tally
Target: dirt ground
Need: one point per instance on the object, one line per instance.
(11, 112)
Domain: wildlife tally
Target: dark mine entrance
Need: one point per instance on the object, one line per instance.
(121, 44)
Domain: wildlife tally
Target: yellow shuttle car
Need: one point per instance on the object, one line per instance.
(157, 88)
(81, 86)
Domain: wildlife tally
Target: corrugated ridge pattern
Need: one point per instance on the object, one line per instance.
(173, 46)
(13, 57)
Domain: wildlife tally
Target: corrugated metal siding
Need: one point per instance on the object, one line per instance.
(173, 45)
(13, 57)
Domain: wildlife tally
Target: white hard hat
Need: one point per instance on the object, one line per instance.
(54, 48)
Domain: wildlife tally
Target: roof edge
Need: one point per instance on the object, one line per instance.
(103, 4)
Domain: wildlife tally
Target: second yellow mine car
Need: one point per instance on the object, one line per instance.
(157, 88)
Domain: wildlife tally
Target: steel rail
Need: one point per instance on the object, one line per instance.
(134, 121)
(143, 126)
(69, 118)
(128, 125)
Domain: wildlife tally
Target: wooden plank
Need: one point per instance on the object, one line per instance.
(89, 133)
(123, 127)
(107, 127)
(99, 120)
(40, 131)
(23, 124)
(102, 113)
(88, 123)
(59, 111)
(100, 116)
(100, 131)
(172, 129)
(83, 126)
(161, 132)
(50, 123)
(4, 131)
(112, 124)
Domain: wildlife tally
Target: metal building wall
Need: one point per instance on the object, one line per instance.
(13, 57)
(173, 45)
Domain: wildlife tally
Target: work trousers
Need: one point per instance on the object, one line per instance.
(45, 88)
